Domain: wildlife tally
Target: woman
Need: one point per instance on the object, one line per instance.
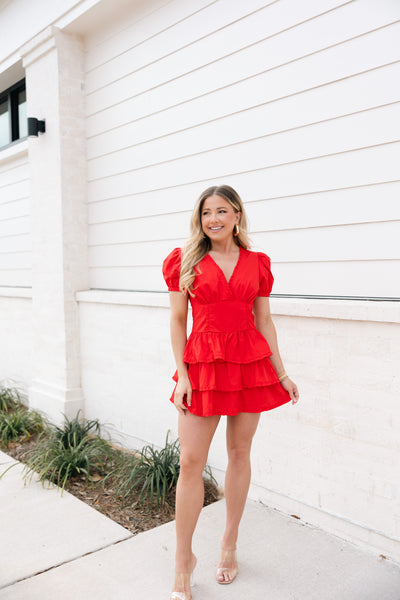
(230, 365)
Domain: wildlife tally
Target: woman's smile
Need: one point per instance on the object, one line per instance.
(218, 216)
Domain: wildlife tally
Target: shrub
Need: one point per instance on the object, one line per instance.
(151, 473)
(19, 424)
(63, 452)
(9, 399)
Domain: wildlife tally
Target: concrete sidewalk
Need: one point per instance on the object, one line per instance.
(53, 545)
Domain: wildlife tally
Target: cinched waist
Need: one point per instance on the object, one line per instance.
(230, 315)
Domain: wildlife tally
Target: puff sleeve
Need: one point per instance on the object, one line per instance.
(265, 276)
(171, 270)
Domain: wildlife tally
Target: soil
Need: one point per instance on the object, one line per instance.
(101, 496)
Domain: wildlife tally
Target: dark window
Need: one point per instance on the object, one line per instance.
(13, 122)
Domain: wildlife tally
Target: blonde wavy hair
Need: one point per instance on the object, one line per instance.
(199, 244)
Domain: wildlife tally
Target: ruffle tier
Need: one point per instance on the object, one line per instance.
(245, 346)
(230, 377)
(226, 388)
(251, 400)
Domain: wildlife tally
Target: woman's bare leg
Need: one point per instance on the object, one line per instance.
(239, 436)
(195, 436)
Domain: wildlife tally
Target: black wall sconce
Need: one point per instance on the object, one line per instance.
(35, 127)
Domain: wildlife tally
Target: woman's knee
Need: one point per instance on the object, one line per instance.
(191, 464)
(239, 454)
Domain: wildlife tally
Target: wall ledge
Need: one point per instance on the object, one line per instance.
(159, 299)
(348, 310)
(14, 150)
(351, 310)
(15, 292)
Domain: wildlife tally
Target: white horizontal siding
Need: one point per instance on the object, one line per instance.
(265, 73)
(267, 39)
(346, 204)
(147, 20)
(363, 129)
(362, 278)
(351, 244)
(341, 170)
(15, 227)
(339, 207)
(289, 244)
(297, 105)
(368, 90)
(154, 219)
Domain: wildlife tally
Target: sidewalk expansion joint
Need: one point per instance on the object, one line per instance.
(65, 562)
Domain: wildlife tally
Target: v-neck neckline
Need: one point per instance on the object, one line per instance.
(228, 281)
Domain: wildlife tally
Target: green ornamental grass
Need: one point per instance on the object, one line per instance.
(77, 448)
(62, 452)
(9, 399)
(19, 424)
(150, 474)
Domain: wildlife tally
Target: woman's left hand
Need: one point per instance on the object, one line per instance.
(291, 388)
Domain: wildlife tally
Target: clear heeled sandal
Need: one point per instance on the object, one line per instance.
(181, 578)
(227, 556)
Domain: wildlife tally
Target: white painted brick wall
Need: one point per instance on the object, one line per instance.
(332, 454)
(54, 62)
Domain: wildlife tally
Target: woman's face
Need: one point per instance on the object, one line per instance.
(218, 218)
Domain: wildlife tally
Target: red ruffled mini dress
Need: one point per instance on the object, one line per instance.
(227, 357)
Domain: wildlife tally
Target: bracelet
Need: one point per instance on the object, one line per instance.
(283, 376)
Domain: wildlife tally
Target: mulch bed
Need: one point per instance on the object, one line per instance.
(101, 496)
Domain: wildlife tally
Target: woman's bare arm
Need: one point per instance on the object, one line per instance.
(178, 325)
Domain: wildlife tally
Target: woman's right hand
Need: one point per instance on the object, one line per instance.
(183, 387)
